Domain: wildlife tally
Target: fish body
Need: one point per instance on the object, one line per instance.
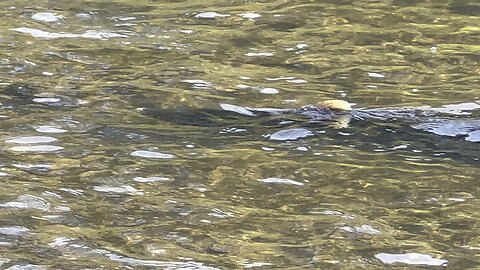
(450, 120)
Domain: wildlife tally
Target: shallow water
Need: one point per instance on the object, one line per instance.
(91, 180)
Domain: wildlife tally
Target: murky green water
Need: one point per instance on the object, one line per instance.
(91, 181)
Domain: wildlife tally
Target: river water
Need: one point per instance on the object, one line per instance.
(92, 181)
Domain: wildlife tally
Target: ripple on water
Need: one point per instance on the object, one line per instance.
(250, 15)
(151, 179)
(28, 202)
(410, 258)
(118, 189)
(210, 15)
(259, 54)
(46, 100)
(47, 17)
(254, 265)
(297, 81)
(473, 136)
(31, 140)
(90, 34)
(280, 78)
(364, 229)
(198, 84)
(457, 109)
(14, 230)
(150, 154)
(77, 247)
(4, 260)
(269, 91)
(39, 167)
(273, 180)
(36, 148)
(83, 16)
(236, 109)
(27, 267)
(49, 129)
(375, 75)
(291, 134)
(451, 128)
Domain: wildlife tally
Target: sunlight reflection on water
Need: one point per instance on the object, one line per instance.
(146, 134)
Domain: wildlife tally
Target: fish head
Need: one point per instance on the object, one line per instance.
(336, 105)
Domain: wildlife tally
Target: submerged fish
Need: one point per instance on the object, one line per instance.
(442, 121)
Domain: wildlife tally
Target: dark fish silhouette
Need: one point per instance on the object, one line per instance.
(450, 120)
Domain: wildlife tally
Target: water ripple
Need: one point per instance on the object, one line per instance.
(14, 230)
(90, 34)
(150, 154)
(28, 202)
(119, 189)
(50, 129)
(280, 181)
(47, 17)
(31, 139)
(36, 148)
(210, 15)
(410, 258)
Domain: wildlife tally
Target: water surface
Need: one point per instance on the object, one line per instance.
(93, 181)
